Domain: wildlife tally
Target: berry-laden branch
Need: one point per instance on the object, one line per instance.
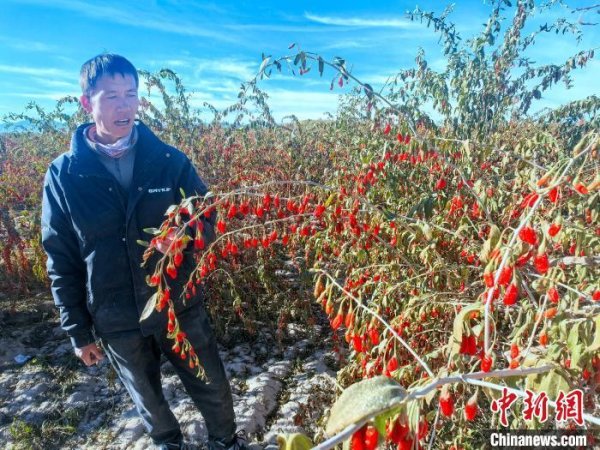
(524, 232)
(378, 317)
(472, 378)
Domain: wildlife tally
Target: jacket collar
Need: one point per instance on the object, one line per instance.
(83, 162)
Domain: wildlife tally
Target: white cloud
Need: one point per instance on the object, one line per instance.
(207, 85)
(169, 63)
(37, 71)
(230, 67)
(279, 28)
(302, 104)
(137, 16)
(361, 22)
(26, 45)
(197, 100)
(34, 96)
(56, 83)
(282, 102)
(185, 5)
(351, 43)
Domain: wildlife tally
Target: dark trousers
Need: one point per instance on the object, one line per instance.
(136, 359)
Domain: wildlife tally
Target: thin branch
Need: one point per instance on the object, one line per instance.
(576, 261)
(587, 8)
(537, 322)
(569, 288)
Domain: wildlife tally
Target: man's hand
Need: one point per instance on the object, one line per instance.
(90, 354)
(162, 245)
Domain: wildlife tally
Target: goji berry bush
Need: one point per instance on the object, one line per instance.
(414, 260)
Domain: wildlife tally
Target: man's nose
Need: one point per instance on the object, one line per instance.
(124, 103)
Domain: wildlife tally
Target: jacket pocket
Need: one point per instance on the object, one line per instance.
(109, 266)
(113, 312)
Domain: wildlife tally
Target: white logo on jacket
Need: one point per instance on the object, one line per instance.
(155, 190)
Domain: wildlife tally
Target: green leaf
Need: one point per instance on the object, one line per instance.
(413, 411)
(426, 230)
(189, 204)
(264, 64)
(573, 338)
(430, 396)
(149, 308)
(363, 400)
(517, 332)
(459, 325)
(330, 200)
(296, 441)
(185, 240)
(576, 354)
(554, 351)
(595, 346)
(550, 382)
(381, 420)
(182, 192)
(151, 230)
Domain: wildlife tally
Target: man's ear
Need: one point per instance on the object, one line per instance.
(85, 103)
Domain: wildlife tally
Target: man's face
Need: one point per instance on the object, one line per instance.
(113, 104)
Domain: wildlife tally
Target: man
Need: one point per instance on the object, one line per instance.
(117, 179)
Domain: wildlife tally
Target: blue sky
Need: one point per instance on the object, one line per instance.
(215, 46)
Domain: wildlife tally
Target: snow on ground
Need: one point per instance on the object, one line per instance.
(52, 401)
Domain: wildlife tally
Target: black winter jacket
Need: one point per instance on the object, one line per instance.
(90, 229)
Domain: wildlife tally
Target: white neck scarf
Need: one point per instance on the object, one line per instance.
(115, 150)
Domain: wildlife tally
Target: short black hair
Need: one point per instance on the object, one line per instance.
(104, 64)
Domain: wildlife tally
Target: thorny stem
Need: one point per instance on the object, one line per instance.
(421, 275)
(434, 429)
(537, 322)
